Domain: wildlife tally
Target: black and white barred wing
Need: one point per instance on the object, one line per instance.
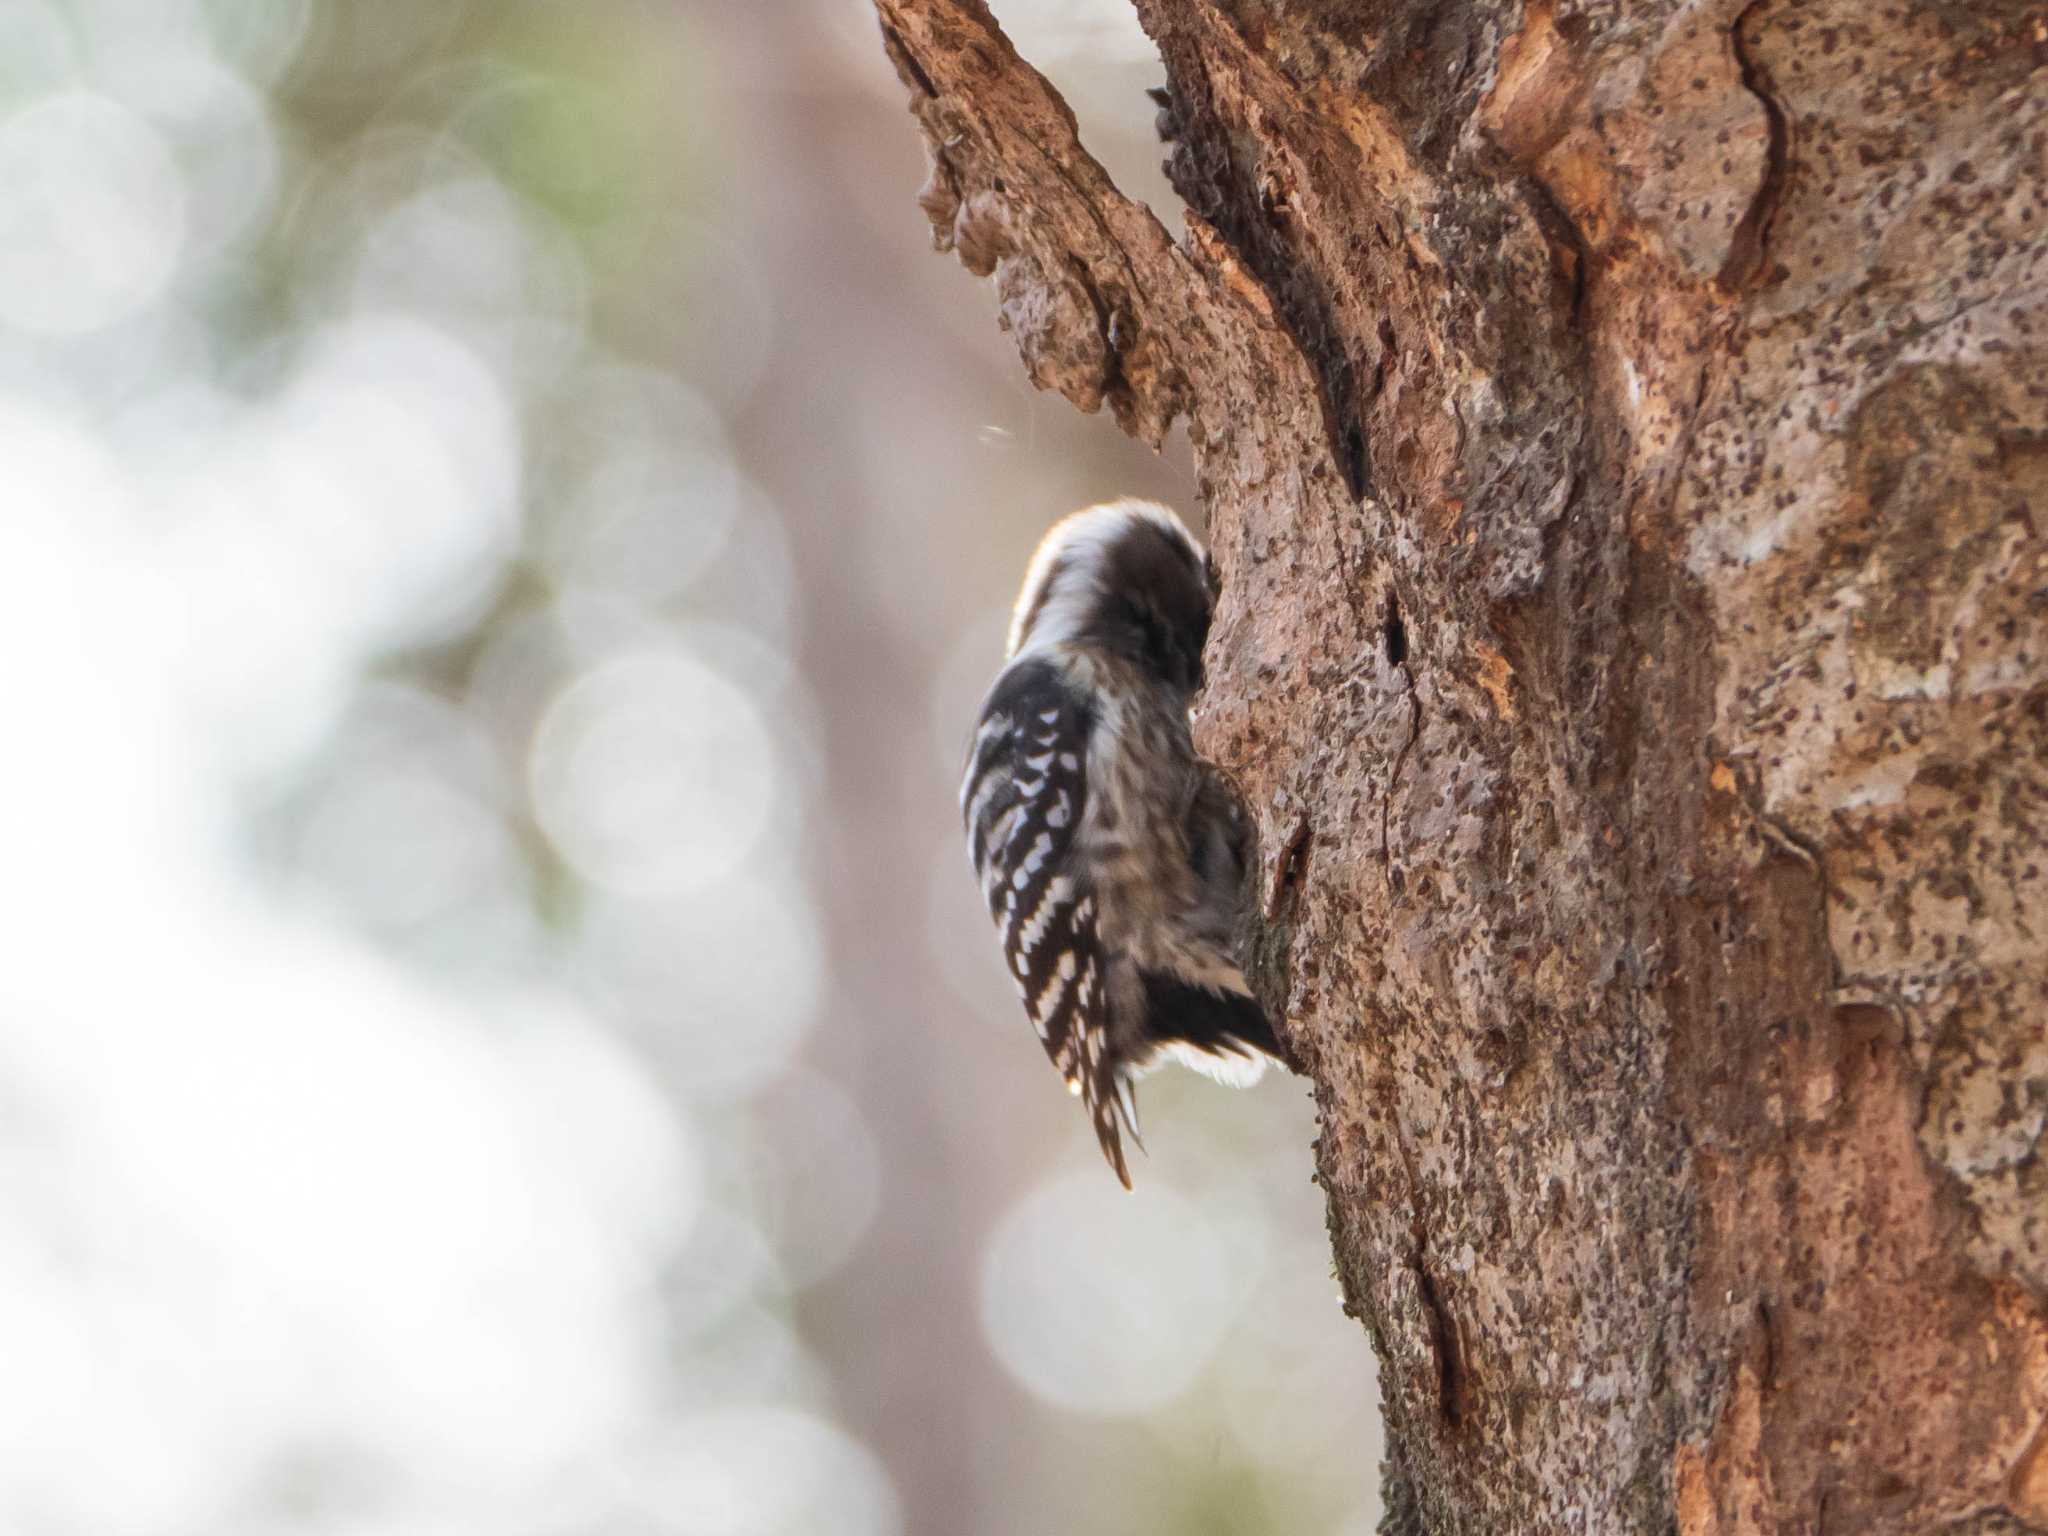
(1021, 799)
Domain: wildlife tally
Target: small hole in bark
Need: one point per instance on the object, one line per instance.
(997, 183)
(1352, 462)
(1396, 632)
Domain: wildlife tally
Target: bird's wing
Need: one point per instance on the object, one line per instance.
(1022, 799)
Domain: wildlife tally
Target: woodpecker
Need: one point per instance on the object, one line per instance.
(1111, 856)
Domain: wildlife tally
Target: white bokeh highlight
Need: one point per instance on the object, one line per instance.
(271, 1198)
(771, 1472)
(653, 774)
(373, 498)
(720, 985)
(414, 1099)
(1101, 1302)
(645, 524)
(94, 215)
(817, 1175)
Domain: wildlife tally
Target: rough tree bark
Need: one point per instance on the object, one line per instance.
(1624, 434)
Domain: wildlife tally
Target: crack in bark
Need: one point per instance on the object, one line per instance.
(906, 61)
(1394, 778)
(1205, 171)
(1443, 1338)
(1562, 233)
(1748, 261)
(1394, 636)
(1291, 867)
(1782, 836)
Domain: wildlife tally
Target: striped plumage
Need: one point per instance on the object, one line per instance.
(1110, 855)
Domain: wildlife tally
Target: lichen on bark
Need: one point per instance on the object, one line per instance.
(1622, 435)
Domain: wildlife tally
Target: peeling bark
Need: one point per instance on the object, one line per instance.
(1623, 431)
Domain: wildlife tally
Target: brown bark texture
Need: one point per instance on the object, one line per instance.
(1624, 435)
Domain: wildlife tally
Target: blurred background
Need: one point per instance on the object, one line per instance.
(504, 524)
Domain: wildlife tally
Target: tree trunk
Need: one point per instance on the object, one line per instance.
(1622, 429)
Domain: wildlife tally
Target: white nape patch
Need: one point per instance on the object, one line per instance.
(1233, 1070)
(1075, 546)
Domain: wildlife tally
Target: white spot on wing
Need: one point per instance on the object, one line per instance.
(1005, 825)
(1040, 850)
(1057, 895)
(991, 785)
(994, 725)
(1056, 989)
